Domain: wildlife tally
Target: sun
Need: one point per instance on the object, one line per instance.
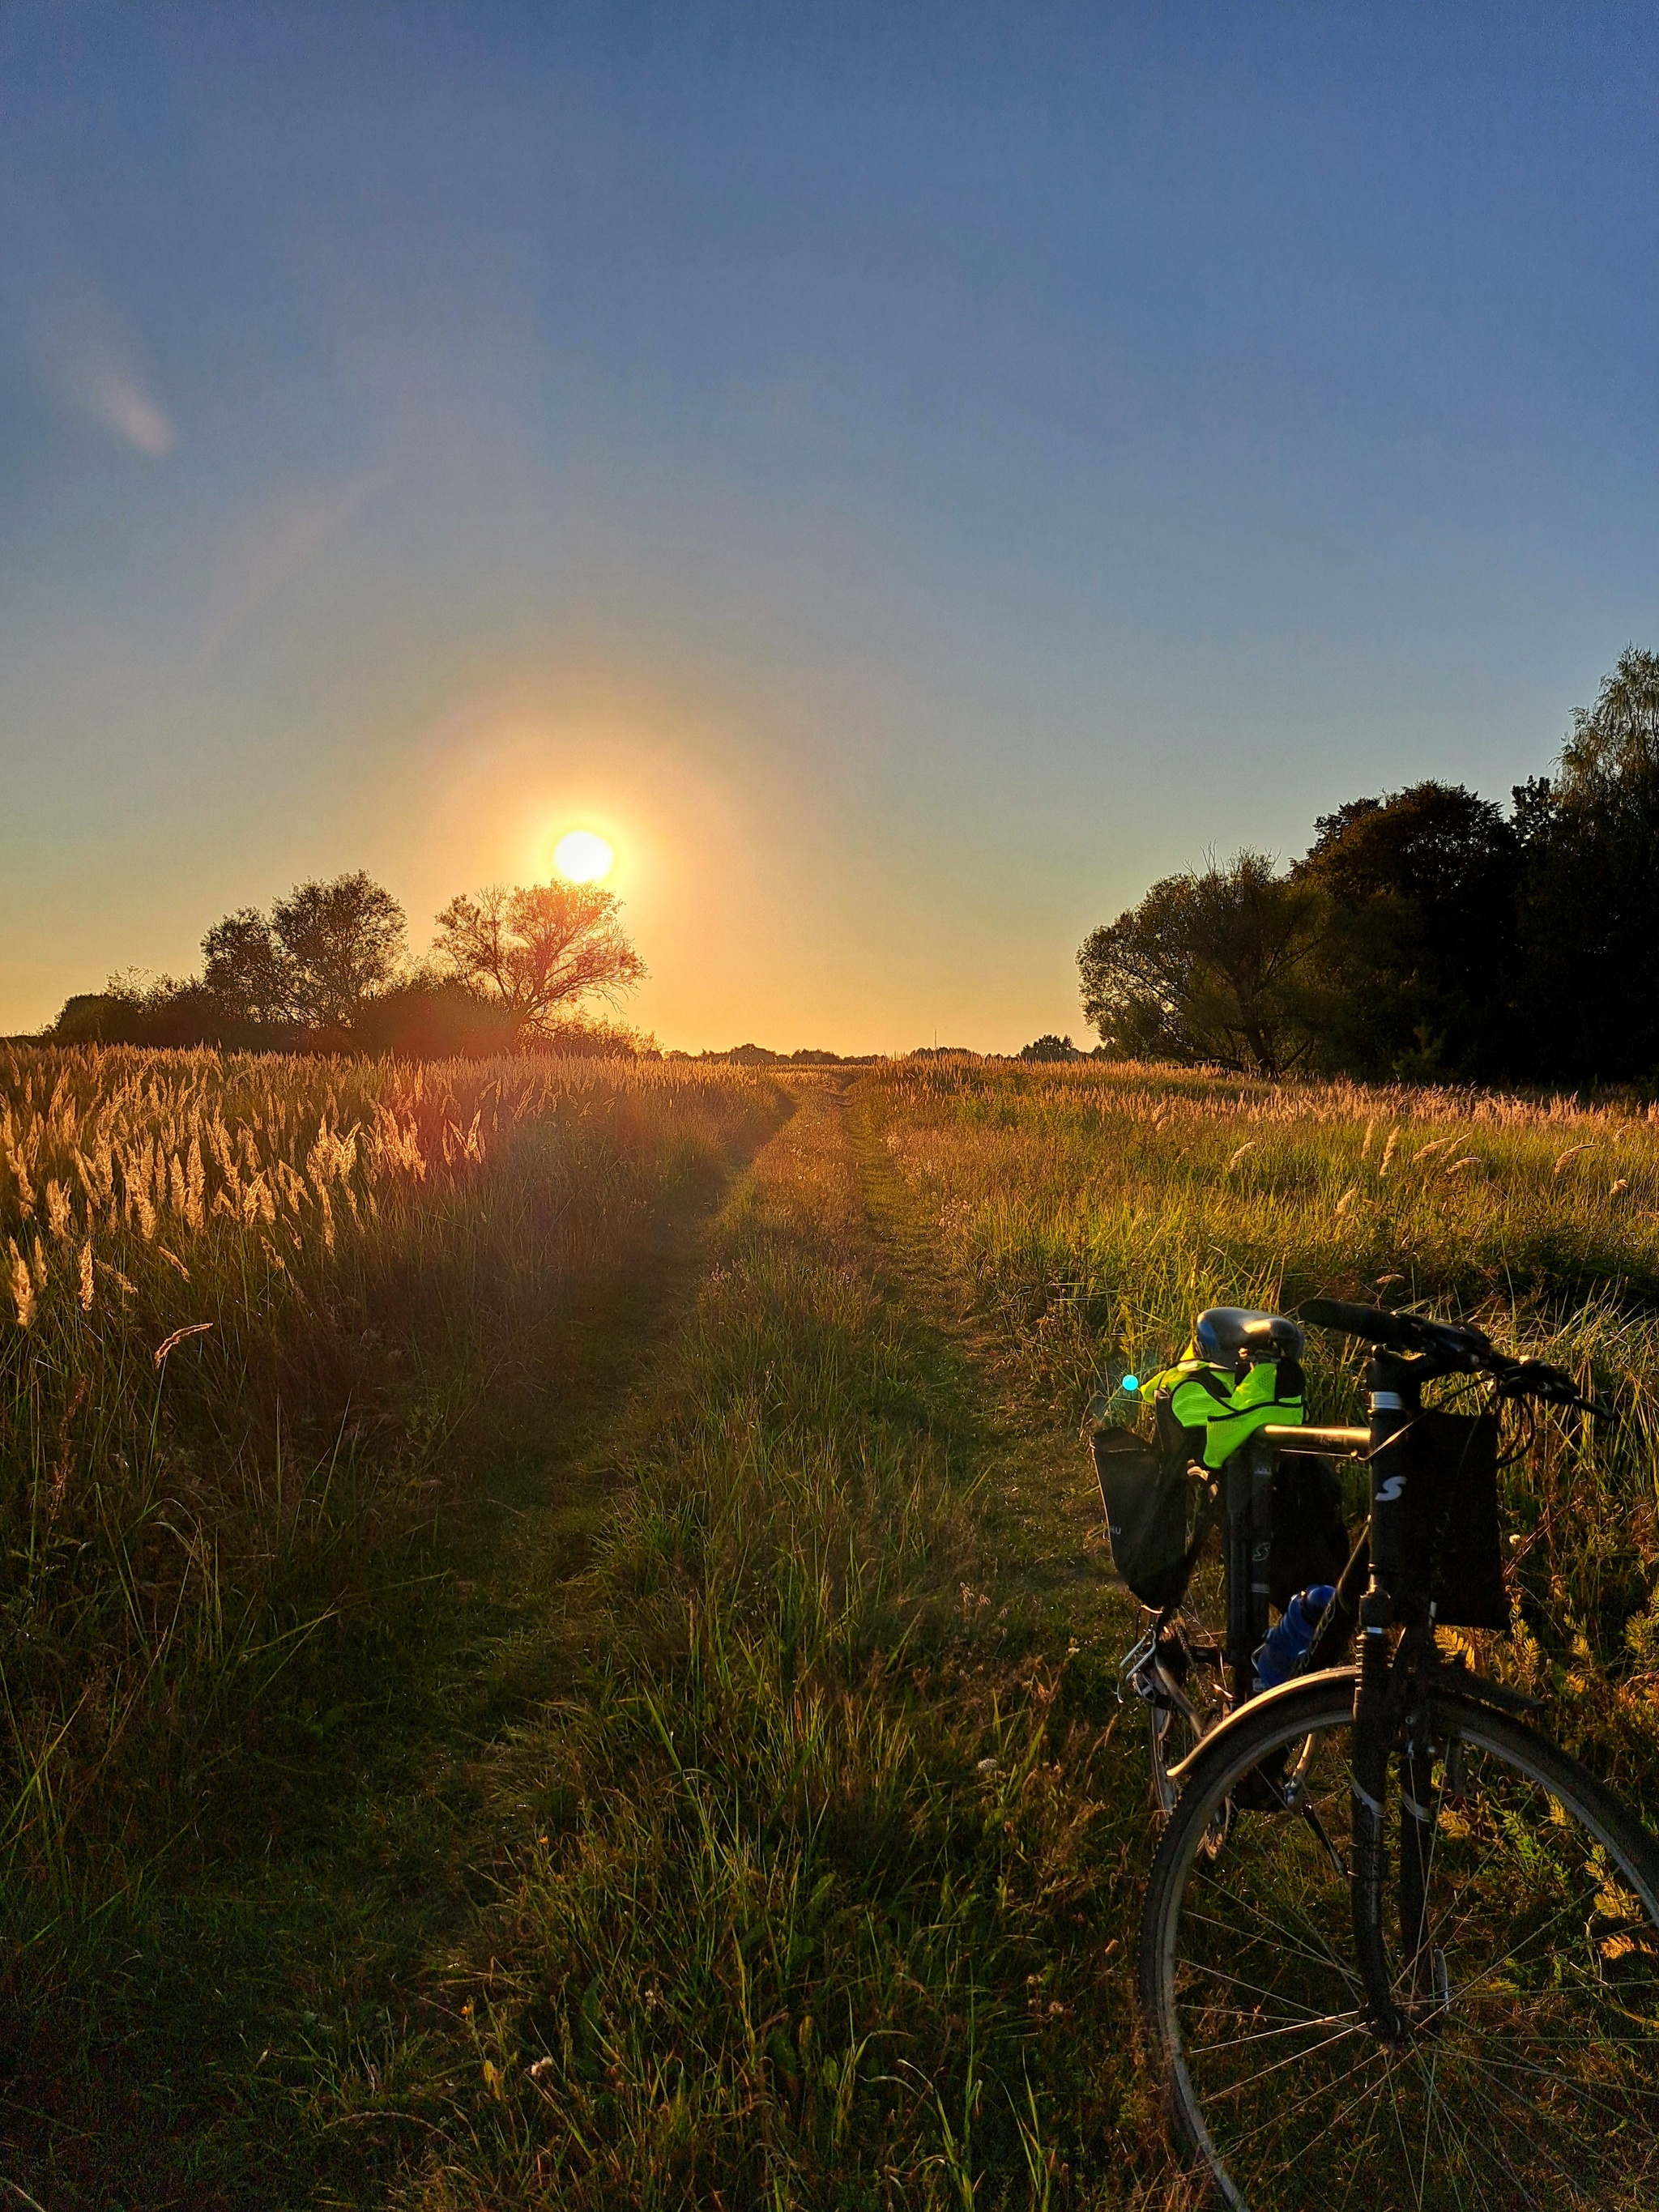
(581, 857)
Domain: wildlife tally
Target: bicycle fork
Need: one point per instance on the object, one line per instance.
(1394, 1401)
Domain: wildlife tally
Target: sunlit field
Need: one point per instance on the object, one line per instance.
(1090, 1212)
(260, 1313)
(779, 1842)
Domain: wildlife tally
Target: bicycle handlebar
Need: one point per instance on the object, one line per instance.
(1393, 1331)
(1452, 1349)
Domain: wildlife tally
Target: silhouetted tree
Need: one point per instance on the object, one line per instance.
(1050, 1048)
(1417, 952)
(1589, 894)
(249, 973)
(1211, 966)
(341, 943)
(538, 950)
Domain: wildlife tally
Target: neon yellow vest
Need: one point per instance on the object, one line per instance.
(1225, 1415)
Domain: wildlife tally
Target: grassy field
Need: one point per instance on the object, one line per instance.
(592, 1682)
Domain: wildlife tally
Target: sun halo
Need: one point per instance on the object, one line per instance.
(581, 856)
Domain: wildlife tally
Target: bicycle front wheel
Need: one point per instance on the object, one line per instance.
(1524, 1952)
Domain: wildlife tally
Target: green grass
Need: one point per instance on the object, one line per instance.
(703, 1782)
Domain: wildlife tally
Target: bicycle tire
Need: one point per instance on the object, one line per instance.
(1275, 2082)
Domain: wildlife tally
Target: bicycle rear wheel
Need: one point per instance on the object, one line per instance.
(1530, 2074)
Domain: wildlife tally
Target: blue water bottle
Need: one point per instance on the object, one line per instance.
(1290, 1637)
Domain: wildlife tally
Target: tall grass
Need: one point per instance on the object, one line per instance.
(1089, 1213)
(260, 1314)
(803, 1904)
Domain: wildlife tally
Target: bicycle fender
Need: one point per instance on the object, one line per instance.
(1459, 1682)
(1283, 1695)
(1450, 1681)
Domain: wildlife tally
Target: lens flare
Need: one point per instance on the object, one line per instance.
(581, 857)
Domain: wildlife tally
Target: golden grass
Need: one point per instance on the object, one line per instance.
(1090, 1211)
(256, 1306)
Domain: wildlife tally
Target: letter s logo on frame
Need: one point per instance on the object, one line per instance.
(1392, 1491)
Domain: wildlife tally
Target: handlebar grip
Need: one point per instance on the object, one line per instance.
(1397, 1332)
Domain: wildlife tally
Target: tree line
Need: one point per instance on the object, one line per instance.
(328, 969)
(1427, 934)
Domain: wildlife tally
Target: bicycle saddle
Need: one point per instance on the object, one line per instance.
(1221, 1333)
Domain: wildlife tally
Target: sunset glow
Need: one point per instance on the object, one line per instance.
(582, 857)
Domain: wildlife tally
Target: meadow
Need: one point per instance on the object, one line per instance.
(590, 1680)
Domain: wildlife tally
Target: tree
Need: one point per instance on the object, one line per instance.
(249, 972)
(1590, 892)
(539, 950)
(341, 942)
(1050, 1047)
(1212, 966)
(1613, 752)
(1417, 951)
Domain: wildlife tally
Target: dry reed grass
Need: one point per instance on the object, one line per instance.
(257, 1309)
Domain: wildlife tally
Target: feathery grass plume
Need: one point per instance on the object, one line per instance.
(59, 1214)
(1572, 1154)
(38, 1266)
(86, 1276)
(195, 1185)
(1387, 1160)
(127, 1289)
(180, 1336)
(22, 1287)
(172, 1261)
(1249, 1145)
(1365, 1149)
(1347, 1199)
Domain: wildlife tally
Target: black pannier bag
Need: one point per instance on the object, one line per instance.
(1310, 1541)
(1454, 1545)
(1147, 1495)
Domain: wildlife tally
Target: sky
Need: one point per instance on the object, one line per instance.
(909, 476)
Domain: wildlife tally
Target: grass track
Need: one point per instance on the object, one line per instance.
(767, 1931)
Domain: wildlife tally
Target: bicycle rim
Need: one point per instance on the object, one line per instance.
(1531, 2074)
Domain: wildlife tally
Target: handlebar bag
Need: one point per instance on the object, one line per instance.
(1310, 1541)
(1454, 1544)
(1148, 1495)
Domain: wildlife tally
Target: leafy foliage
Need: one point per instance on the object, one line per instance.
(1424, 935)
(1212, 966)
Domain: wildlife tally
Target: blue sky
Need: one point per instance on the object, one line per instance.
(911, 474)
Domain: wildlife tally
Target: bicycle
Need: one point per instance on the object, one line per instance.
(1397, 1948)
